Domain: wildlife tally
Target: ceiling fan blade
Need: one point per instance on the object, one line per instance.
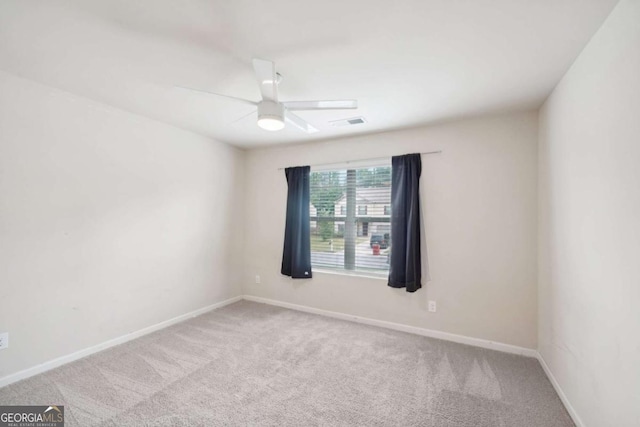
(252, 113)
(299, 122)
(267, 79)
(343, 104)
(246, 101)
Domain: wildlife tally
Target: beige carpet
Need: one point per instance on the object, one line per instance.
(253, 364)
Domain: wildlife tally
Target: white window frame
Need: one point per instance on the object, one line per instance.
(380, 274)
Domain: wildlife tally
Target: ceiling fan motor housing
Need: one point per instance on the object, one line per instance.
(270, 115)
(270, 110)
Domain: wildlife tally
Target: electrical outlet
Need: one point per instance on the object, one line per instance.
(432, 306)
(257, 279)
(4, 340)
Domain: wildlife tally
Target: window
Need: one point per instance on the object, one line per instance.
(350, 224)
(387, 210)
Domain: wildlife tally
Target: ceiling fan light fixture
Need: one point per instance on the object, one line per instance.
(271, 123)
(270, 115)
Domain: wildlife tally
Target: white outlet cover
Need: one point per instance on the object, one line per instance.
(432, 306)
(257, 279)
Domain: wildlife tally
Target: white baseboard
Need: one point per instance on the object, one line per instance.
(38, 369)
(477, 342)
(563, 397)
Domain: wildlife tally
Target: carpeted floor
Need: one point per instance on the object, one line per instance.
(254, 364)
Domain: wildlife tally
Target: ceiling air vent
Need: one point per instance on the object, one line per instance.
(348, 122)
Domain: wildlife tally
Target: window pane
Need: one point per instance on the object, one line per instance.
(333, 243)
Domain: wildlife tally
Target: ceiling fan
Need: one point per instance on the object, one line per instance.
(272, 114)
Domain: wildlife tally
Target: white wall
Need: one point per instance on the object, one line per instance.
(109, 222)
(589, 179)
(480, 204)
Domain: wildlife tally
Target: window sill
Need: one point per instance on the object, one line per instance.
(364, 274)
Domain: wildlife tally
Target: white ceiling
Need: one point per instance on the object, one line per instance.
(407, 62)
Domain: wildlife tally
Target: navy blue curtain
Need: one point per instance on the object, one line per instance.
(296, 257)
(405, 261)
